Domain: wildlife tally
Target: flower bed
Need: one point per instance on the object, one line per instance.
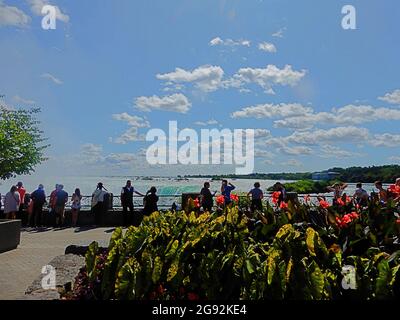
(295, 251)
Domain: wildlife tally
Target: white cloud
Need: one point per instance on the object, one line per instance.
(267, 77)
(52, 78)
(347, 115)
(392, 97)
(394, 158)
(293, 163)
(279, 33)
(229, 42)
(262, 133)
(206, 123)
(338, 134)
(272, 111)
(267, 47)
(18, 99)
(133, 121)
(385, 140)
(175, 103)
(37, 5)
(296, 151)
(130, 135)
(329, 151)
(205, 78)
(12, 16)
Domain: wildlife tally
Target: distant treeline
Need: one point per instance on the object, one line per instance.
(386, 174)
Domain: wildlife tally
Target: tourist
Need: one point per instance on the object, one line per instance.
(337, 190)
(282, 195)
(22, 191)
(127, 200)
(226, 189)
(256, 197)
(150, 202)
(11, 203)
(360, 195)
(382, 193)
(98, 203)
(60, 201)
(75, 206)
(206, 197)
(39, 199)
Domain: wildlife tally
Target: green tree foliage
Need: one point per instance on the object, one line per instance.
(21, 142)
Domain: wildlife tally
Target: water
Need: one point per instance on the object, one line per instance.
(165, 186)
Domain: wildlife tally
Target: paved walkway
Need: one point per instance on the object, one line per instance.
(18, 268)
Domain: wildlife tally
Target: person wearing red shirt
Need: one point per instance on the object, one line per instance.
(22, 191)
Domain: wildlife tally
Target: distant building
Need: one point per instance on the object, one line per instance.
(327, 175)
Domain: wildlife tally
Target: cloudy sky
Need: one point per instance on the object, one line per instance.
(320, 96)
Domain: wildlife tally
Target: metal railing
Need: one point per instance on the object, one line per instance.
(165, 201)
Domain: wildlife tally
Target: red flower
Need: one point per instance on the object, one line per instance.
(160, 289)
(196, 202)
(340, 202)
(354, 215)
(220, 200)
(398, 221)
(283, 205)
(193, 296)
(275, 197)
(234, 197)
(324, 204)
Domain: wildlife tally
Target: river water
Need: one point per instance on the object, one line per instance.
(165, 186)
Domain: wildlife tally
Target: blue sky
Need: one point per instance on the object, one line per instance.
(321, 95)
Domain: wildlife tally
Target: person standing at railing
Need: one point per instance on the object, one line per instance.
(256, 197)
(22, 191)
(226, 189)
(60, 201)
(337, 189)
(75, 206)
(150, 201)
(39, 199)
(206, 196)
(98, 203)
(127, 200)
(11, 203)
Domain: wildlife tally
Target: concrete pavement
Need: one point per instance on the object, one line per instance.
(19, 267)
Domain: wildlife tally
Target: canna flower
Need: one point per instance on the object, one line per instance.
(275, 197)
(283, 205)
(398, 221)
(340, 202)
(196, 202)
(193, 296)
(324, 204)
(354, 215)
(234, 197)
(220, 200)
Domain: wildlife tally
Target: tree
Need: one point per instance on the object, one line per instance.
(21, 142)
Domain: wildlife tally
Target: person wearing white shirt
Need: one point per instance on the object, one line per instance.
(98, 203)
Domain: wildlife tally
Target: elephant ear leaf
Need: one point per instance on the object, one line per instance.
(272, 265)
(90, 257)
(126, 281)
(158, 264)
(383, 279)
(317, 281)
(117, 235)
(310, 240)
